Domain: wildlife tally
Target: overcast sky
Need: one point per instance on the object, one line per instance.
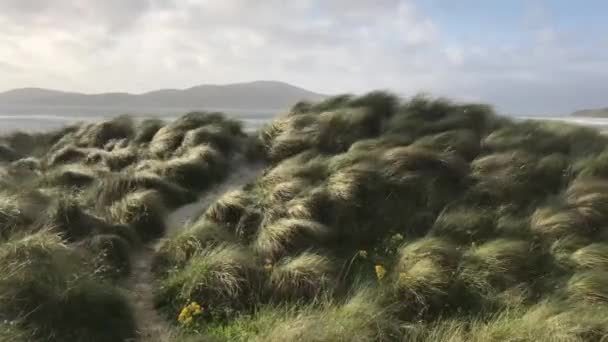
(523, 56)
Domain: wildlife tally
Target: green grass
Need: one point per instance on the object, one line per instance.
(376, 219)
(76, 203)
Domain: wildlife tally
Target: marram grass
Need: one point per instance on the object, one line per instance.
(375, 219)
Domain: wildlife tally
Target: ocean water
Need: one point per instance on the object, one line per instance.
(39, 118)
(43, 118)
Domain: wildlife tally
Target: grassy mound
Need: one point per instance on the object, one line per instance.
(40, 292)
(456, 224)
(74, 205)
(377, 219)
(222, 279)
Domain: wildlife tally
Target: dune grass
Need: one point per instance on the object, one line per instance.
(376, 219)
(457, 224)
(76, 203)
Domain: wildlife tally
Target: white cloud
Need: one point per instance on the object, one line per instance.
(328, 46)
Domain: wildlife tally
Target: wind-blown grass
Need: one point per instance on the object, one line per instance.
(376, 219)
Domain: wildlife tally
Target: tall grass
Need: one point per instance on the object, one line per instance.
(376, 219)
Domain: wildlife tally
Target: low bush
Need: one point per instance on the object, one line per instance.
(146, 130)
(142, 210)
(177, 251)
(498, 264)
(221, 279)
(465, 224)
(589, 286)
(305, 277)
(288, 236)
(39, 289)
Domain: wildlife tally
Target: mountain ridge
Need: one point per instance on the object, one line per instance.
(247, 95)
(594, 113)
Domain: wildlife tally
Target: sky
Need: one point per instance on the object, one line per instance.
(537, 57)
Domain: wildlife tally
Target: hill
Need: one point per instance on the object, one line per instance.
(251, 95)
(594, 113)
(357, 218)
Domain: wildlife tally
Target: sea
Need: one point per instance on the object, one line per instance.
(43, 118)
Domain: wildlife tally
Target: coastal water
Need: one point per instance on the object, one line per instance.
(41, 118)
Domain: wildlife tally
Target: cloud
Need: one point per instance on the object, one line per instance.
(327, 46)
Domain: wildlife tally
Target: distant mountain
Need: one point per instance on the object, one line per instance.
(595, 113)
(251, 95)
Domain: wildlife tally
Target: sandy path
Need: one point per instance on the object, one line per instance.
(152, 327)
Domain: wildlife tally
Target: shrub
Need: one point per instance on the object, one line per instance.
(423, 286)
(26, 164)
(437, 249)
(142, 210)
(593, 256)
(168, 138)
(70, 176)
(288, 236)
(68, 217)
(590, 200)
(302, 278)
(7, 154)
(398, 163)
(354, 185)
(218, 136)
(229, 208)
(44, 286)
(99, 134)
(382, 142)
(515, 177)
(221, 279)
(546, 137)
(465, 224)
(10, 214)
(13, 332)
(197, 169)
(165, 141)
(233, 210)
(146, 130)
(424, 273)
(463, 142)
(553, 223)
(177, 250)
(65, 155)
(114, 186)
(35, 144)
(120, 159)
(498, 264)
(563, 248)
(338, 130)
(304, 165)
(315, 205)
(589, 286)
(110, 254)
(361, 318)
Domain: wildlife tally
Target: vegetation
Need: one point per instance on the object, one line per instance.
(376, 219)
(76, 203)
(383, 220)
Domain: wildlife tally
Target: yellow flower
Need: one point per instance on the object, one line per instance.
(363, 254)
(380, 271)
(186, 315)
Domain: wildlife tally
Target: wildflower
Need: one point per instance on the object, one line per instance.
(362, 254)
(186, 316)
(380, 272)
